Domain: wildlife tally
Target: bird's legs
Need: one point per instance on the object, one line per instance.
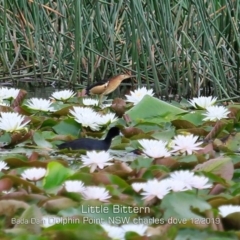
(100, 100)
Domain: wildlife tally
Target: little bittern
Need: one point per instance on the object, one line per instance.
(102, 88)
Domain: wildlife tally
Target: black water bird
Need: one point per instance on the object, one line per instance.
(92, 144)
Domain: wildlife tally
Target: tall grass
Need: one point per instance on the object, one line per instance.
(185, 47)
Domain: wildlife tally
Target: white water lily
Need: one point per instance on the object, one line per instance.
(63, 95)
(154, 148)
(108, 118)
(40, 104)
(137, 95)
(50, 220)
(200, 182)
(90, 102)
(184, 176)
(155, 188)
(138, 186)
(11, 121)
(3, 166)
(7, 93)
(226, 210)
(140, 229)
(113, 232)
(87, 117)
(185, 144)
(203, 102)
(34, 174)
(215, 113)
(188, 180)
(176, 185)
(95, 159)
(74, 186)
(97, 193)
(118, 232)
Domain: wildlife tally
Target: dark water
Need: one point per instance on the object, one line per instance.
(41, 92)
(46, 91)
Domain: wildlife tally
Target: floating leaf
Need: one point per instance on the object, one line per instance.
(40, 141)
(187, 159)
(9, 207)
(56, 175)
(17, 162)
(141, 162)
(67, 127)
(183, 211)
(178, 123)
(17, 181)
(151, 107)
(115, 180)
(75, 230)
(63, 111)
(195, 234)
(48, 123)
(221, 166)
(55, 204)
(232, 142)
(194, 117)
(155, 171)
(31, 220)
(5, 139)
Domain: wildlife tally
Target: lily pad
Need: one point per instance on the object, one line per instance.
(151, 107)
(67, 126)
(184, 210)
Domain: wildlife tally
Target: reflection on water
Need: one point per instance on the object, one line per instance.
(41, 92)
(46, 91)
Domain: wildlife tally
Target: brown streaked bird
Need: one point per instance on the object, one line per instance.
(105, 87)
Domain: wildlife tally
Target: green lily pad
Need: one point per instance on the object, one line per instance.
(150, 107)
(66, 127)
(40, 140)
(56, 175)
(184, 210)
